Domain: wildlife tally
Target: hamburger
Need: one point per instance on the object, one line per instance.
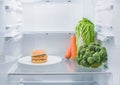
(38, 56)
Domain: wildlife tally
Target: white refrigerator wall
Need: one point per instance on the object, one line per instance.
(116, 24)
(51, 16)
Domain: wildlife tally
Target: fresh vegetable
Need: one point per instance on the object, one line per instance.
(68, 52)
(92, 55)
(73, 47)
(72, 50)
(84, 32)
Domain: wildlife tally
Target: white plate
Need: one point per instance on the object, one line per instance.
(51, 60)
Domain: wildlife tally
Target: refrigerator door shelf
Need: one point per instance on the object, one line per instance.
(10, 8)
(15, 36)
(104, 8)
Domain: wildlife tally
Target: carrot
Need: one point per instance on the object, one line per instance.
(68, 52)
(73, 47)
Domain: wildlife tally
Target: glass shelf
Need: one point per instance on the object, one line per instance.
(64, 67)
(64, 73)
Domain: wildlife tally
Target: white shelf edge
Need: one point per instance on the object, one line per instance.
(104, 8)
(15, 25)
(104, 26)
(47, 32)
(73, 82)
(11, 35)
(104, 37)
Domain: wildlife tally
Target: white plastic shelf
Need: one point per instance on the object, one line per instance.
(10, 8)
(18, 76)
(105, 8)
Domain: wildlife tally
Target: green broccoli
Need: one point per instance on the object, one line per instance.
(98, 45)
(81, 47)
(87, 50)
(90, 60)
(79, 58)
(93, 44)
(96, 65)
(97, 57)
(97, 49)
(82, 51)
(84, 63)
(104, 51)
(91, 47)
(85, 45)
(103, 54)
(104, 59)
(92, 52)
(85, 57)
(92, 55)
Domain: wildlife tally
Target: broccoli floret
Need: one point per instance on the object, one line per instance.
(85, 63)
(92, 43)
(92, 52)
(88, 53)
(98, 45)
(85, 45)
(97, 57)
(91, 47)
(78, 60)
(85, 57)
(104, 59)
(82, 51)
(87, 50)
(97, 48)
(96, 65)
(103, 54)
(104, 51)
(81, 47)
(90, 60)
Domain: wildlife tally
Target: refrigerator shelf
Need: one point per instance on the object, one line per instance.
(18, 76)
(62, 68)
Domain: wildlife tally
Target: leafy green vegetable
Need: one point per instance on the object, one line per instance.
(89, 54)
(92, 55)
(84, 32)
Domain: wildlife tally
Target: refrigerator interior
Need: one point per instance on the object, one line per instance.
(48, 24)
